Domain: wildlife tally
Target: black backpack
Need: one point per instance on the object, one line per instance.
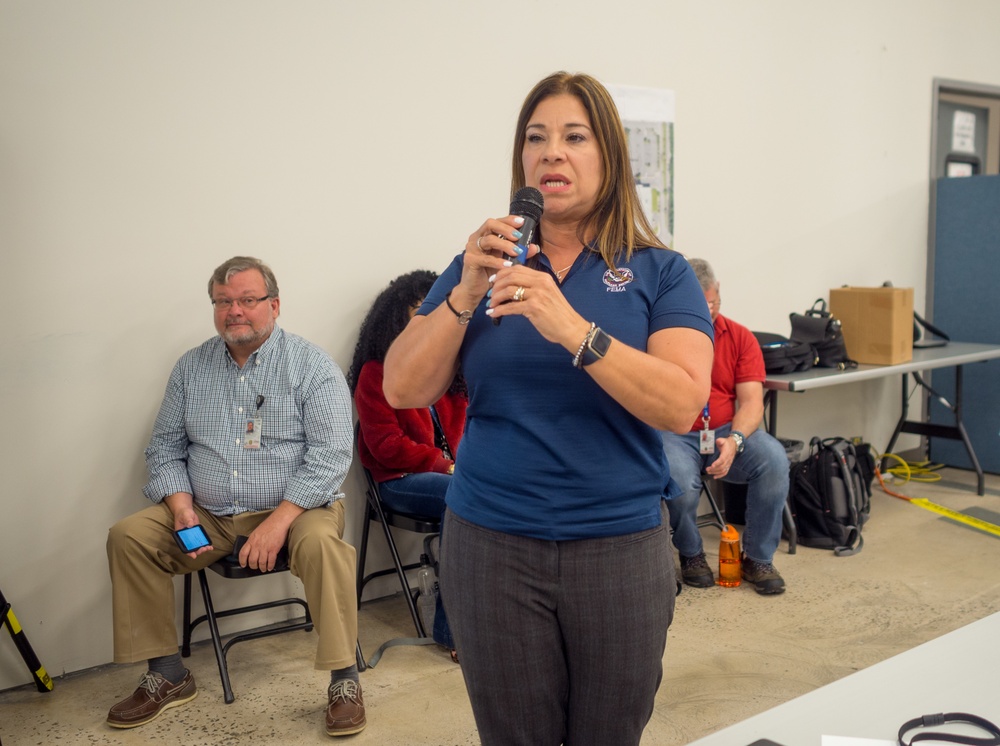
(783, 355)
(830, 495)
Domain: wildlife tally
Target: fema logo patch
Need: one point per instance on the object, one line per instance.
(617, 279)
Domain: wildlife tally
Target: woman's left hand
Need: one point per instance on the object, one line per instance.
(521, 291)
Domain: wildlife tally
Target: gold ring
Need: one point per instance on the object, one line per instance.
(479, 245)
(519, 293)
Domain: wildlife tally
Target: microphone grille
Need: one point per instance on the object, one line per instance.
(529, 202)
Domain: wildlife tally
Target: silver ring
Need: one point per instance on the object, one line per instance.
(479, 245)
(519, 294)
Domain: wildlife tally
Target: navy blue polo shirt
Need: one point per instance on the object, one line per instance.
(546, 452)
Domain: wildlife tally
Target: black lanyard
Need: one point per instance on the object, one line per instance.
(439, 437)
(928, 721)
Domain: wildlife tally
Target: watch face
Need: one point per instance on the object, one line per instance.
(600, 343)
(596, 347)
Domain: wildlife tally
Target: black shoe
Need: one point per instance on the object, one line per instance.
(695, 571)
(762, 575)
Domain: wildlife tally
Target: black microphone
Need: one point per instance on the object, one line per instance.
(529, 204)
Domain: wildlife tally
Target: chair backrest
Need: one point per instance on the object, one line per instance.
(372, 497)
(378, 511)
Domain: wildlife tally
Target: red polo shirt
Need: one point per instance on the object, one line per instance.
(738, 359)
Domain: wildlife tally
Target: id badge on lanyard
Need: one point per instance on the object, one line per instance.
(254, 425)
(706, 437)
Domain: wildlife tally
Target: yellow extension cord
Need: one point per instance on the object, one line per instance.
(923, 471)
(912, 471)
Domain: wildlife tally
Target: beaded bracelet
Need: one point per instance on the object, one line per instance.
(583, 345)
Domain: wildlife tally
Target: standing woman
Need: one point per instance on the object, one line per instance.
(558, 575)
(409, 452)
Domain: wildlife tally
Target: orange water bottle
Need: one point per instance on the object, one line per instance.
(729, 558)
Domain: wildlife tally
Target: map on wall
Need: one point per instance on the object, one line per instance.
(648, 117)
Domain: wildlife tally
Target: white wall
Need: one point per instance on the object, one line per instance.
(141, 144)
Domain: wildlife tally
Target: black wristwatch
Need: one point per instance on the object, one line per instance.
(597, 347)
(740, 438)
(463, 316)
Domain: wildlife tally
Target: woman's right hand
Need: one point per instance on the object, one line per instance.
(490, 247)
(422, 361)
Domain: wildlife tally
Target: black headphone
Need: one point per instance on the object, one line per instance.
(928, 721)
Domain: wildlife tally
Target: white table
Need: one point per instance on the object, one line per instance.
(954, 354)
(957, 672)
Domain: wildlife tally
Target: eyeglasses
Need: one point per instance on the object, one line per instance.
(714, 303)
(247, 304)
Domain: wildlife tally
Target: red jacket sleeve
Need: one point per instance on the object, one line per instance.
(395, 442)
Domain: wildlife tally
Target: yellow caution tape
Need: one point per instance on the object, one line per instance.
(15, 629)
(968, 520)
(12, 622)
(44, 677)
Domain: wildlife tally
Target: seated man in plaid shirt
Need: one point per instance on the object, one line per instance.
(254, 438)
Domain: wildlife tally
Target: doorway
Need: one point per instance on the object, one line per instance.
(965, 141)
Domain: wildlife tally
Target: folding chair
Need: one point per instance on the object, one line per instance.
(714, 517)
(229, 567)
(375, 510)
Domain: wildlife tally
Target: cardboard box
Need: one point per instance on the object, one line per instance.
(877, 323)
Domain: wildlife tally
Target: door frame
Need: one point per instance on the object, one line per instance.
(971, 94)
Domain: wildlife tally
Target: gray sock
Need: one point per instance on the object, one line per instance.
(169, 667)
(351, 672)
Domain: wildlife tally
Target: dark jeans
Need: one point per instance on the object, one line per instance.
(763, 467)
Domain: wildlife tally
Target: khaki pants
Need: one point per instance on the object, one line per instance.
(144, 558)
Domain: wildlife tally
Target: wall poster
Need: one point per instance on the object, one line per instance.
(648, 116)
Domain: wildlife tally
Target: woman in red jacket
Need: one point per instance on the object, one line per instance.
(409, 452)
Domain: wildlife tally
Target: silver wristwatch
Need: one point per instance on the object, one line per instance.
(740, 438)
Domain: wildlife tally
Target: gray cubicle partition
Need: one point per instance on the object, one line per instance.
(966, 303)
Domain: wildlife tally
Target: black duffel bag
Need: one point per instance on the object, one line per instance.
(783, 355)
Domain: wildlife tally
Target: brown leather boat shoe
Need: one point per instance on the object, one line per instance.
(154, 695)
(345, 715)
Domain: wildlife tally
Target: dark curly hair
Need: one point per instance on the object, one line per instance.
(387, 317)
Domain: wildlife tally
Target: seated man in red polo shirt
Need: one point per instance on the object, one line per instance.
(727, 444)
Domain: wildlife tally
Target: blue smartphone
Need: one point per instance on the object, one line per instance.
(191, 539)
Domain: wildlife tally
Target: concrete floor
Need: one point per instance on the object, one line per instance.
(730, 653)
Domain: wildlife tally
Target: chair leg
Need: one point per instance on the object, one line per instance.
(186, 634)
(428, 541)
(401, 572)
(362, 666)
(363, 551)
(213, 626)
(793, 534)
(374, 512)
(715, 518)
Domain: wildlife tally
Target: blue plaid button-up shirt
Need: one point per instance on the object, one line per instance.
(306, 428)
